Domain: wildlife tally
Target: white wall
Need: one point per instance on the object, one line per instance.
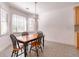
(58, 25)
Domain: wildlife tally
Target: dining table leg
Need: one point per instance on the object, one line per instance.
(25, 52)
(43, 41)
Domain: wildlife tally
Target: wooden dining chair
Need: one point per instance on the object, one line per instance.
(36, 45)
(40, 33)
(25, 33)
(16, 46)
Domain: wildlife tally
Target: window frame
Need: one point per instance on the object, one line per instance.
(5, 21)
(27, 24)
(16, 31)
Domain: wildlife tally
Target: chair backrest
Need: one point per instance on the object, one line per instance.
(14, 40)
(25, 33)
(40, 36)
(40, 33)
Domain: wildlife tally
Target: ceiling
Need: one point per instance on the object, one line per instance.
(41, 6)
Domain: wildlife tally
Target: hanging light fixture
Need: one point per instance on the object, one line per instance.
(36, 17)
(35, 10)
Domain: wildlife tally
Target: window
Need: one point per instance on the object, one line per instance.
(3, 23)
(31, 25)
(18, 23)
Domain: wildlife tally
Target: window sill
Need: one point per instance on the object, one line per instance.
(3, 35)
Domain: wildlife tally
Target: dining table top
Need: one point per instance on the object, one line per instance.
(27, 38)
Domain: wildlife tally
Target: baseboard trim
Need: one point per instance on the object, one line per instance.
(60, 43)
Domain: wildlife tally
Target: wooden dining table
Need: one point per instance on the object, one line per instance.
(25, 40)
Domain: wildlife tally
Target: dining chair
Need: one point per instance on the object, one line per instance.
(25, 33)
(16, 46)
(36, 45)
(40, 33)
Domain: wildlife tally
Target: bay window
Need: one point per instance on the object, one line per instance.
(22, 24)
(3, 21)
(18, 23)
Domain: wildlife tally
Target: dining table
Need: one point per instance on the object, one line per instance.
(25, 40)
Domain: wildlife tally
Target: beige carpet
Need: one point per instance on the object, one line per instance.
(51, 50)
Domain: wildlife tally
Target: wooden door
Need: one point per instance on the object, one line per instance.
(78, 40)
(77, 25)
(77, 15)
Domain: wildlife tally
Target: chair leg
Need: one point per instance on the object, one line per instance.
(21, 50)
(27, 48)
(16, 53)
(12, 53)
(41, 49)
(43, 42)
(37, 51)
(30, 49)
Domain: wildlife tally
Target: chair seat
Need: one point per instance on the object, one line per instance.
(35, 43)
(17, 49)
